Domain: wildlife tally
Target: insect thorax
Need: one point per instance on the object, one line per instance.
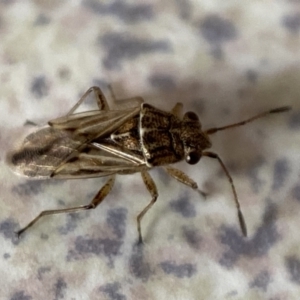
(159, 136)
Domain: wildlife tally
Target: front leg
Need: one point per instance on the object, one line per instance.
(183, 178)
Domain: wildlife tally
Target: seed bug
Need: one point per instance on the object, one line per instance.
(104, 143)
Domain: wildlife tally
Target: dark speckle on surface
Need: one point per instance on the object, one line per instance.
(39, 87)
(6, 255)
(138, 267)
(185, 9)
(121, 46)
(20, 296)
(44, 236)
(30, 187)
(256, 182)
(292, 22)
(108, 247)
(252, 76)
(217, 30)
(217, 52)
(71, 224)
(296, 192)
(41, 271)
(116, 219)
(261, 281)
(111, 291)
(125, 11)
(281, 171)
(261, 242)
(162, 81)
(192, 237)
(8, 228)
(294, 121)
(184, 207)
(42, 20)
(64, 73)
(233, 294)
(59, 288)
(292, 265)
(180, 271)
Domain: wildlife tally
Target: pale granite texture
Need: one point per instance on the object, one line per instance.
(225, 60)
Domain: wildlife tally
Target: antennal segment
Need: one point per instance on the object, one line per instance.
(261, 115)
(238, 207)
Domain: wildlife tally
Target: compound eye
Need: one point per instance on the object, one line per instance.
(191, 116)
(193, 157)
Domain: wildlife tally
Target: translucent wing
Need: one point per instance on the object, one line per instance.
(94, 124)
(66, 149)
(94, 162)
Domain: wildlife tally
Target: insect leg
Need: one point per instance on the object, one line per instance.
(104, 191)
(151, 187)
(240, 214)
(183, 178)
(177, 109)
(99, 97)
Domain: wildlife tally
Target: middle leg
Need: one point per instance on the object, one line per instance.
(151, 187)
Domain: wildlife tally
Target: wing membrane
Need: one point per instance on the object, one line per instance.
(94, 124)
(63, 150)
(98, 163)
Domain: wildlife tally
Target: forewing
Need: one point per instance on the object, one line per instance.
(81, 119)
(49, 148)
(98, 163)
(43, 151)
(94, 124)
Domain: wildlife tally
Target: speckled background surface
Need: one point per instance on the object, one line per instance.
(225, 60)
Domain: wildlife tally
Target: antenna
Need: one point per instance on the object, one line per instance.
(261, 115)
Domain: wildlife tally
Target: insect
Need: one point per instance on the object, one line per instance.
(104, 143)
